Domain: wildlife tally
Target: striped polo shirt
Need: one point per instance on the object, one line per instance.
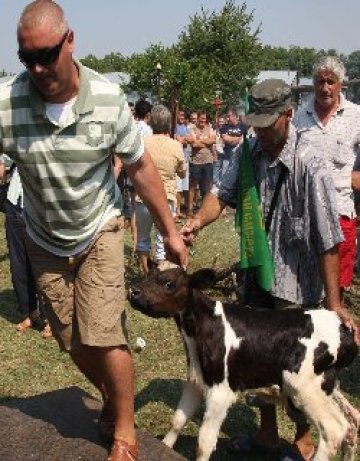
(66, 171)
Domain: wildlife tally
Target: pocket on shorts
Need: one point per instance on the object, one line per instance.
(58, 297)
(107, 278)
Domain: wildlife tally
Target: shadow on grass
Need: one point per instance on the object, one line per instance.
(71, 411)
(240, 418)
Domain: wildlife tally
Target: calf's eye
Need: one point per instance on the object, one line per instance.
(169, 285)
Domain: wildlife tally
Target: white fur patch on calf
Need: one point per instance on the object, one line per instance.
(194, 371)
(230, 338)
(326, 328)
(218, 400)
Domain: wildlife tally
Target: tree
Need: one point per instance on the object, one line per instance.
(222, 52)
(293, 58)
(216, 51)
(113, 62)
(353, 65)
(148, 79)
(274, 58)
(301, 60)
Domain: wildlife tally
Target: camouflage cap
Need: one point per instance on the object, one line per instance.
(267, 101)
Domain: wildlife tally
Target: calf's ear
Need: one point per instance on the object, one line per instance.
(151, 266)
(202, 278)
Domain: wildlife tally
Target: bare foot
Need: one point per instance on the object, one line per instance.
(24, 325)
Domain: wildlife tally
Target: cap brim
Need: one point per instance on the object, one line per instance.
(261, 120)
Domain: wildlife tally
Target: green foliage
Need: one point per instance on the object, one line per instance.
(302, 60)
(222, 52)
(294, 58)
(216, 51)
(353, 65)
(147, 79)
(274, 58)
(113, 62)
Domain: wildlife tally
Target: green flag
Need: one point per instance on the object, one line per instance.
(254, 246)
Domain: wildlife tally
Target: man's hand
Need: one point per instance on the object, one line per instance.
(190, 230)
(350, 321)
(176, 250)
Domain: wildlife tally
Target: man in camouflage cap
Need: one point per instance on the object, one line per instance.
(304, 234)
(268, 100)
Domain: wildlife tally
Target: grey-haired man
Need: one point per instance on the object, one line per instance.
(331, 125)
(304, 233)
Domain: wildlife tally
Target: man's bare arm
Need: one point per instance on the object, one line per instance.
(2, 172)
(355, 180)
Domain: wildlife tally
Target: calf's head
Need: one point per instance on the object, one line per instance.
(167, 293)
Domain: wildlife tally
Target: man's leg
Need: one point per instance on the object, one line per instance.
(111, 371)
(268, 432)
(20, 267)
(91, 369)
(303, 440)
(143, 244)
(101, 326)
(265, 440)
(347, 253)
(118, 372)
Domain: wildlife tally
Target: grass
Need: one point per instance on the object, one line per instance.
(31, 365)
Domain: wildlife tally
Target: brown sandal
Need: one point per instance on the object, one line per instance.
(122, 451)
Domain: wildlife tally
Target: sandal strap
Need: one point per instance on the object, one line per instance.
(122, 451)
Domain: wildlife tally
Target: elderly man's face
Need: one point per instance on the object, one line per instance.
(327, 90)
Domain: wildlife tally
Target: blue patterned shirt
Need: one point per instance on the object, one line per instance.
(305, 221)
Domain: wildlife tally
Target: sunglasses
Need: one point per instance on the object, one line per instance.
(44, 56)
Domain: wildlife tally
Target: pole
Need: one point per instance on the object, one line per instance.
(174, 107)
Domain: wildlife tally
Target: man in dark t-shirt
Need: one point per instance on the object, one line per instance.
(232, 135)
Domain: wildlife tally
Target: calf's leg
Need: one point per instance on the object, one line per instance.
(189, 402)
(349, 444)
(219, 398)
(325, 414)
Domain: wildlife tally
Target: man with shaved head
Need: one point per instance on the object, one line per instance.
(62, 123)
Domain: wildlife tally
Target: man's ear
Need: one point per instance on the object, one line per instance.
(202, 278)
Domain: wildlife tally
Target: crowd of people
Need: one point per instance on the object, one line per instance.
(207, 148)
(71, 135)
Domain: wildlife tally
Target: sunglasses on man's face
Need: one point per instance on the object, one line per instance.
(44, 56)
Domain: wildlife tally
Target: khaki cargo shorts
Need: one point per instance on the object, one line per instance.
(84, 294)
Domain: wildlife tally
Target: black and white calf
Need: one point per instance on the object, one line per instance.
(231, 349)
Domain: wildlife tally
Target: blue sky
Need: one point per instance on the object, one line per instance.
(130, 26)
